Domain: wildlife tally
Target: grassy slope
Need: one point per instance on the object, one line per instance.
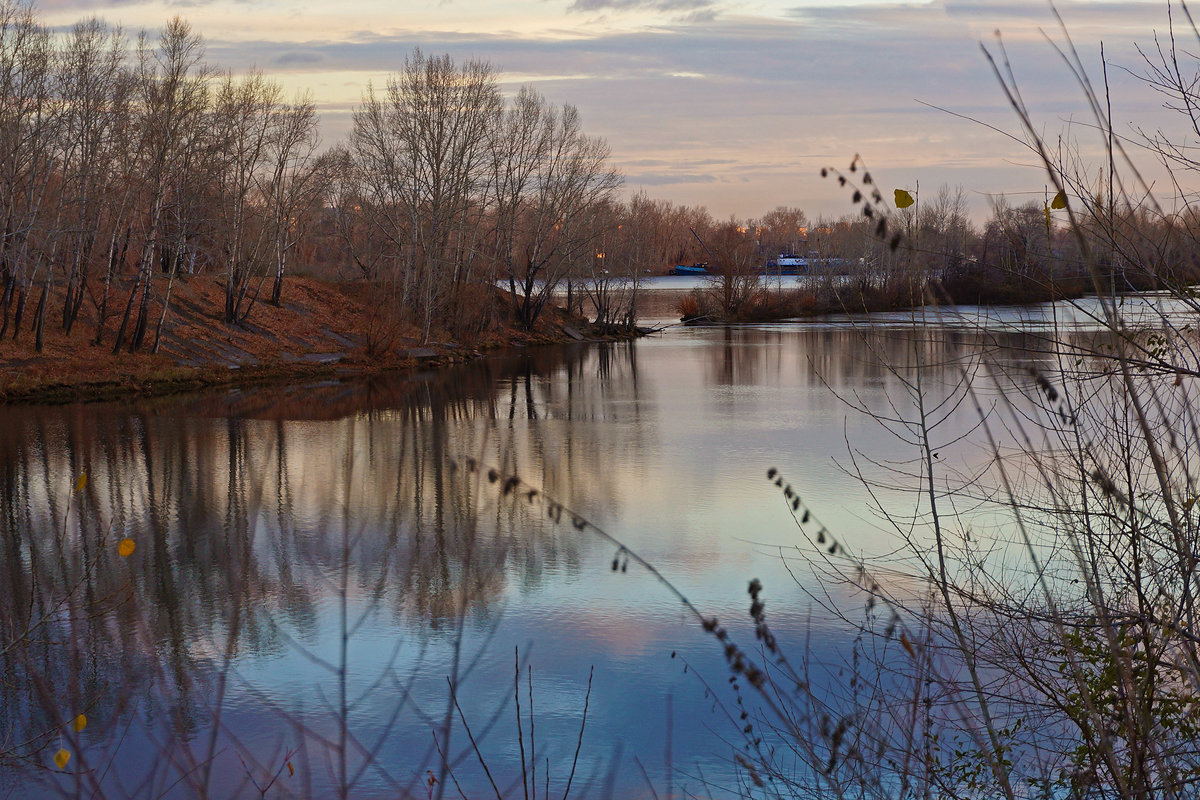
(320, 329)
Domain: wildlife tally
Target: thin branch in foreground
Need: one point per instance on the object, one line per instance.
(471, 736)
(583, 724)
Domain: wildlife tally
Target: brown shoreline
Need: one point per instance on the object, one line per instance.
(322, 331)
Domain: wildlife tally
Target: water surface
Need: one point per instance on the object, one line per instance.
(315, 566)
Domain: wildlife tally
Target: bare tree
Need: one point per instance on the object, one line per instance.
(423, 152)
(518, 146)
(26, 154)
(171, 95)
(295, 179)
(734, 277)
(366, 231)
(94, 90)
(566, 177)
(782, 231)
(643, 239)
(244, 121)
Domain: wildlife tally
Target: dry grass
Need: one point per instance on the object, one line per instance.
(320, 328)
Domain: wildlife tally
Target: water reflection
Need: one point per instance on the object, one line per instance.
(249, 512)
(312, 563)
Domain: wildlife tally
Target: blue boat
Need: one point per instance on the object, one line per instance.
(689, 269)
(786, 265)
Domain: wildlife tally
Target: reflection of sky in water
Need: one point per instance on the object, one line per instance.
(667, 451)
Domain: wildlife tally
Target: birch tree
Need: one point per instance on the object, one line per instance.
(171, 95)
(94, 91)
(295, 180)
(244, 120)
(26, 155)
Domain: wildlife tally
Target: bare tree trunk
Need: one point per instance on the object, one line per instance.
(139, 329)
(277, 285)
(114, 258)
(39, 317)
(78, 304)
(128, 313)
(166, 304)
(10, 287)
(22, 296)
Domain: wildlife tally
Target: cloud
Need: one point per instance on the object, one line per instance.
(1111, 12)
(765, 103)
(640, 5)
(83, 6)
(294, 58)
(669, 178)
(738, 111)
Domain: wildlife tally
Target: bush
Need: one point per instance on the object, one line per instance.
(1076, 672)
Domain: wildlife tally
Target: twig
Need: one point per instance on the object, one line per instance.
(471, 736)
(582, 725)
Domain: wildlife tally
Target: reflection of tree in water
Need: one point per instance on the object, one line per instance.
(846, 357)
(573, 416)
(742, 356)
(250, 511)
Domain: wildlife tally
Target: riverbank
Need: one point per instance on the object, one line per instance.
(767, 303)
(321, 330)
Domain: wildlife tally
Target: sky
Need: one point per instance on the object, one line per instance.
(735, 105)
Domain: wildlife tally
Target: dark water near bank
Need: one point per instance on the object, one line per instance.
(313, 564)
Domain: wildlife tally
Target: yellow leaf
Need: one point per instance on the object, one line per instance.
(903, 199)
(80, 722)
(291, 769)
(908, 648)
(1047, 210)
(126, 547)
(81, 482)
(61, 758)
(1059, 201)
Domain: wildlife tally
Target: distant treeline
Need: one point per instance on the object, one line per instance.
(881, 258)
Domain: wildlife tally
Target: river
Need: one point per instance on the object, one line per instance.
(315, 565)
